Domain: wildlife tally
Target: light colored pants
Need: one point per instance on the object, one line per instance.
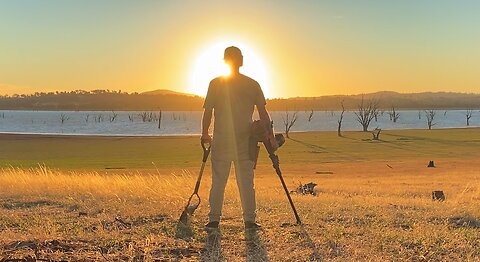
(244, 174)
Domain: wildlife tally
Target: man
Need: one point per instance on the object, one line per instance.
(232, 99)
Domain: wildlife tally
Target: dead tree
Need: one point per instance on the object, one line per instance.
(340, 120)
(310, 116)
(159, 118)
(366, 112)
(113, 116)
(289, 121)
(63, 118)
(144, 116)
(376, 133)
(394, 115)
(151, 117)
(430, 117)
(99, 118)
(376, 116)
(468, 115)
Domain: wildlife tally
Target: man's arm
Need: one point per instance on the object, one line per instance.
(206, 121)
(267, 123)
(264, 116)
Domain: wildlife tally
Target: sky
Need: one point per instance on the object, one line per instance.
(302, 48)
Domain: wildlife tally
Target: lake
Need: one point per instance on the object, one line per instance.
(133, 123)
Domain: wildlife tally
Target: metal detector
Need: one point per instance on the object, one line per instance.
(272, 142)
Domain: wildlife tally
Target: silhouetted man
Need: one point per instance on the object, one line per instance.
(232, 99)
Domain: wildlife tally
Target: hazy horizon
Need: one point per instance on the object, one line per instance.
(186, 93)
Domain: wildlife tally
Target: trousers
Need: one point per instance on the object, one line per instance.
(244, 175)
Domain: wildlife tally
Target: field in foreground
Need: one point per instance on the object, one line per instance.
(373, 203)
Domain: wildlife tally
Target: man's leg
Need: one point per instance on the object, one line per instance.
(220, 172)
(244, 175)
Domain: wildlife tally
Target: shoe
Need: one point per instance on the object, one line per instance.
(212, 225)
(252, 225)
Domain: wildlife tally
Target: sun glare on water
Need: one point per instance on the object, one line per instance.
(209, 64)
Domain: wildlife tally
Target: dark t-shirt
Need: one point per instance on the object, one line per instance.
(233, 100)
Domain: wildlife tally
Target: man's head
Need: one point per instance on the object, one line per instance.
(233, 57)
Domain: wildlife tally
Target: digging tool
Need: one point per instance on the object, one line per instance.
(272, 142)
(187, 213)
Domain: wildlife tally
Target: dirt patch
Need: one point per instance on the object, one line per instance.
(16, 204)
(465, 221)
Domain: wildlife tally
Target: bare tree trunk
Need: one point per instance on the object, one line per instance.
(394, 115)
(310, 116)
(430, 114)
(159, 119)
(468, 115)
(340, 120)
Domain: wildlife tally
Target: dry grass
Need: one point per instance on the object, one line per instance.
(364, 211)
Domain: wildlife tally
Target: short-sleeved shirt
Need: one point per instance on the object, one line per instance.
(233, 100)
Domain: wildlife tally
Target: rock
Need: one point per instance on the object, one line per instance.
(307, 189)
(438, 196)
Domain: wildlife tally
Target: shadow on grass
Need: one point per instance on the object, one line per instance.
(183, 231)
(315, 256)
(213, 247)
(339, 154)
(255, 250)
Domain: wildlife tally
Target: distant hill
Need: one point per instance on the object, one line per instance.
(168, 100)
(386, 100)
(165, 92)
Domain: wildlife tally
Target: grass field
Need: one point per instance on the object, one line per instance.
(373, 203)
(96, 153)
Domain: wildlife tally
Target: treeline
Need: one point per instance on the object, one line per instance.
(386, 100)
(101, 100)
(171, 101)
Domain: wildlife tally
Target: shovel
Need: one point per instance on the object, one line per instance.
(186, 216)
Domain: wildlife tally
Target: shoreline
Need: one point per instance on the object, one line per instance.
(69, 135)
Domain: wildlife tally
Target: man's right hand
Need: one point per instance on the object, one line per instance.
(206, 139)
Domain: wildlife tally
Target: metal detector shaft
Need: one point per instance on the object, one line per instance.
(276, 165)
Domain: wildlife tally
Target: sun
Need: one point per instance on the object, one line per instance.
(209, 64)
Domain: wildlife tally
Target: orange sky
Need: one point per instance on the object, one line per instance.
(307, 48)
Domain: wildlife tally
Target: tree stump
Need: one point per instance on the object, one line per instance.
(438, 196)
(431, 164)
(376, 133)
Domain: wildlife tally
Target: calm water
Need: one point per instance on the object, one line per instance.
(132, 123)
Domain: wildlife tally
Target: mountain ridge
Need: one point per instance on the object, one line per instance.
(168, 100)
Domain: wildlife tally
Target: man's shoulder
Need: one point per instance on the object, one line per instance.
(216, 80)
(249, 80)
